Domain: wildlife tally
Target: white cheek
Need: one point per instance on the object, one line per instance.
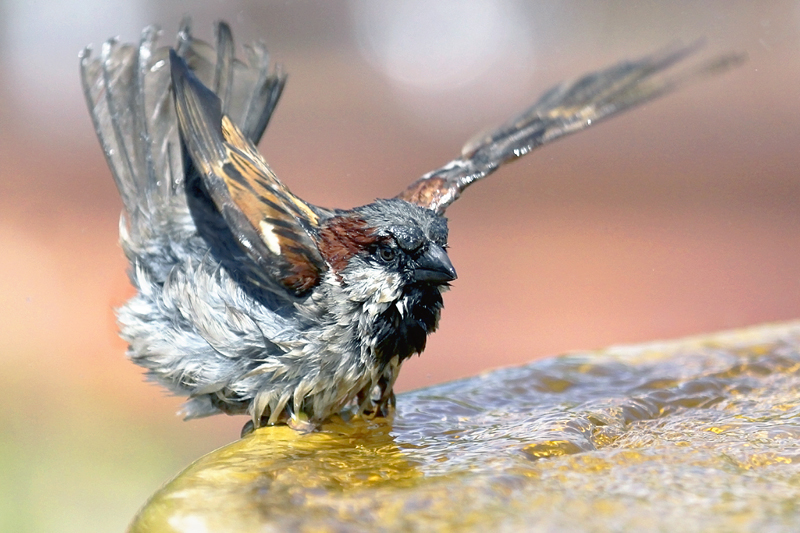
(373, 286)
(389, 290)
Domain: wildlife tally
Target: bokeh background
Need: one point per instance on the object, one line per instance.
(678, 218)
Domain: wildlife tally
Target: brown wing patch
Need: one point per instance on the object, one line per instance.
(270, 223)
(258, 172)
(429, 192)
(271, 209)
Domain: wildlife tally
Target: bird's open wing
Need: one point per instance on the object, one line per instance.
(564, 109)
(272, 225)
(128, 91)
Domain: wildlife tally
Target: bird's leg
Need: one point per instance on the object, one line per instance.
(300, 422)
(385, 403)
(365, 402)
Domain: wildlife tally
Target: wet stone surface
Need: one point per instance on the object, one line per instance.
(701, 434)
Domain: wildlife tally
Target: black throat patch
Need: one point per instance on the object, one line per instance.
(404, 334)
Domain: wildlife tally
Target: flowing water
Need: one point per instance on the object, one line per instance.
(695, 435)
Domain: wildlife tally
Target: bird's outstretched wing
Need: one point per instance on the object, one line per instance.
(128, 91)
(564, 109)
(272, 225)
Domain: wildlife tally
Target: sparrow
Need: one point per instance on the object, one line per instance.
(251, 300)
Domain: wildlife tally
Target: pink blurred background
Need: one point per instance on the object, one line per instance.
(677, 218)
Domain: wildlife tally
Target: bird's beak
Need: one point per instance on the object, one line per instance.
(434, 266)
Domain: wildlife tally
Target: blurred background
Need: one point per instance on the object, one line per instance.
(680, 217)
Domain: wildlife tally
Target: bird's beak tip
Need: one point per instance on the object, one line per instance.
(435, 266)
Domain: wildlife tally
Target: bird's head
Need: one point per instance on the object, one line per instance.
(389, 245)
(391, 256)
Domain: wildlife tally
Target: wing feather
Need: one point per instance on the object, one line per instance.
(564, 109)
(223, 73)
(128, 89)
(128, 92)
(272, 225)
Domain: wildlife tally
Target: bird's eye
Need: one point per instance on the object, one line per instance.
(386, 253)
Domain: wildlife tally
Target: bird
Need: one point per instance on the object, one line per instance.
(250, 300)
